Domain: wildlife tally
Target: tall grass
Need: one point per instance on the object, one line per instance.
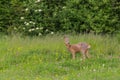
(46, 58)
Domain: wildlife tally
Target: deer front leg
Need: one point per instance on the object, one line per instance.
(83, 54)
(87, 54)
(73, 55)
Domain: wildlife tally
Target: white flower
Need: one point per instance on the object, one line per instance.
(30, 30)
(21, 18)
(52, 32)
(27, 24)
(94, 70)
(40, 10)
(30, 22)
(26, 9)
(24, 28)
(33, 22)
(40, 34)
(37, 28)
(64, 7)
(103, 65)
(36, 10)
(15, 28)
(46, 30)
(37, 1)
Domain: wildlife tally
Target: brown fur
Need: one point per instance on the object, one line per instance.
(80, 47)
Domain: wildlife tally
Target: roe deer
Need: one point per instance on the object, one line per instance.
(74, 48)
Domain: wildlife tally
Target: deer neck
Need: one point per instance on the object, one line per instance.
(68, 45)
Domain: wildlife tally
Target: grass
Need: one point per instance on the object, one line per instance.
(46, 58)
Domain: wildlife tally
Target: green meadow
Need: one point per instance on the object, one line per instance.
(46, 58)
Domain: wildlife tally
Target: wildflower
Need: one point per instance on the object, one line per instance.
(40, 34)
(21, 18)
(33, 23)
(24, 28)
(37, 28)
(26, 9)
(27, 24)
(33, 29)
(103, 65)
(52, 32)
(94, 70)
(46, 30)
(36, 10)
(40, 10)
(29, 30)
(15, 28)
(64, 7)
(37, 1)
(30, 22)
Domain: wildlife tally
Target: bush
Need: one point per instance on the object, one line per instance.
(49, 16)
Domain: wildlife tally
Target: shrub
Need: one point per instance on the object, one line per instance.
(49, 16)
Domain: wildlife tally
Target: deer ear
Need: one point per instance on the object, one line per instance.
(69, 45)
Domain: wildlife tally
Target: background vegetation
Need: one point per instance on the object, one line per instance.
(38, 17)
(25, 56)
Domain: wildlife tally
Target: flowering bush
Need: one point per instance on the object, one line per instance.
(39, 17)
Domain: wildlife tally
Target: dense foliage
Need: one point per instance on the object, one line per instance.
(38, 17)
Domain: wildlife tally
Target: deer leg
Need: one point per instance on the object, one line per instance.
(73, 55)
(87, 54)
(83, 54)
